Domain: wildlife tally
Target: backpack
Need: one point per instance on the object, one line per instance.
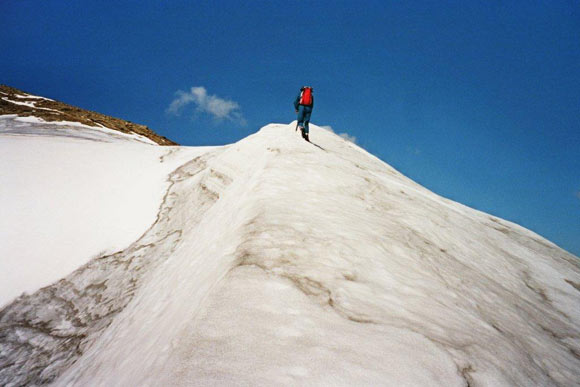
(306, 96)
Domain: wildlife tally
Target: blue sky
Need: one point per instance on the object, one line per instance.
(478, 101)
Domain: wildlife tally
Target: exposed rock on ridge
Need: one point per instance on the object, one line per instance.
(14, 101)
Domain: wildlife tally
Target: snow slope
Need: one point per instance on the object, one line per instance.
(278, 262)
(69, 193)
(11, 124)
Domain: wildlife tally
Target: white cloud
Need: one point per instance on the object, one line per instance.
(346, 136)
(213, 105)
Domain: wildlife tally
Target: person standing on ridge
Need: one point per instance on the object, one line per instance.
(303, 105)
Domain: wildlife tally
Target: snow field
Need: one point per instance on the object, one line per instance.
(273, 261)
(11, 124)
(327, 267)
(65, 200)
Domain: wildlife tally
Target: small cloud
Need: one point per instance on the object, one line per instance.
(348, 137)
(345, 136)
(218, 108)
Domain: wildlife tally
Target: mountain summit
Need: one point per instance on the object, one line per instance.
(274, 261)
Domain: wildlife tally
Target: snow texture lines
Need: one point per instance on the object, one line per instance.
(44, 333)
(374, 249)
(272, 262)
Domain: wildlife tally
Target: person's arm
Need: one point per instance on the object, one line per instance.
(312, 101)
(296, 102)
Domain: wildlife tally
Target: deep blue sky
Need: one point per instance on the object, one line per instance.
(478, 101)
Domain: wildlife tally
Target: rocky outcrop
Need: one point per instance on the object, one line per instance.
(14, 101)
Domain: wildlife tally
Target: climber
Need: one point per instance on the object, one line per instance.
(303, 105)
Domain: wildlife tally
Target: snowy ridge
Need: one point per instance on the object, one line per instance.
(278, 262)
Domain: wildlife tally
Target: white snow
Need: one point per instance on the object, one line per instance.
(30, 96)
(65, 200)
(278, 262)
(23, 103)
(28, 103)
(327, 267)
(36, 126)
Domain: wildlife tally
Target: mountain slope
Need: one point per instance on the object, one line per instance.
(45, 110)
(67, 199)
(276, 261)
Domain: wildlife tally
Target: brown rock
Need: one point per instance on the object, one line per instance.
(50, 110)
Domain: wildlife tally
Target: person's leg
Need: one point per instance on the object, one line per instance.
(301, 116)
(307, 114)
